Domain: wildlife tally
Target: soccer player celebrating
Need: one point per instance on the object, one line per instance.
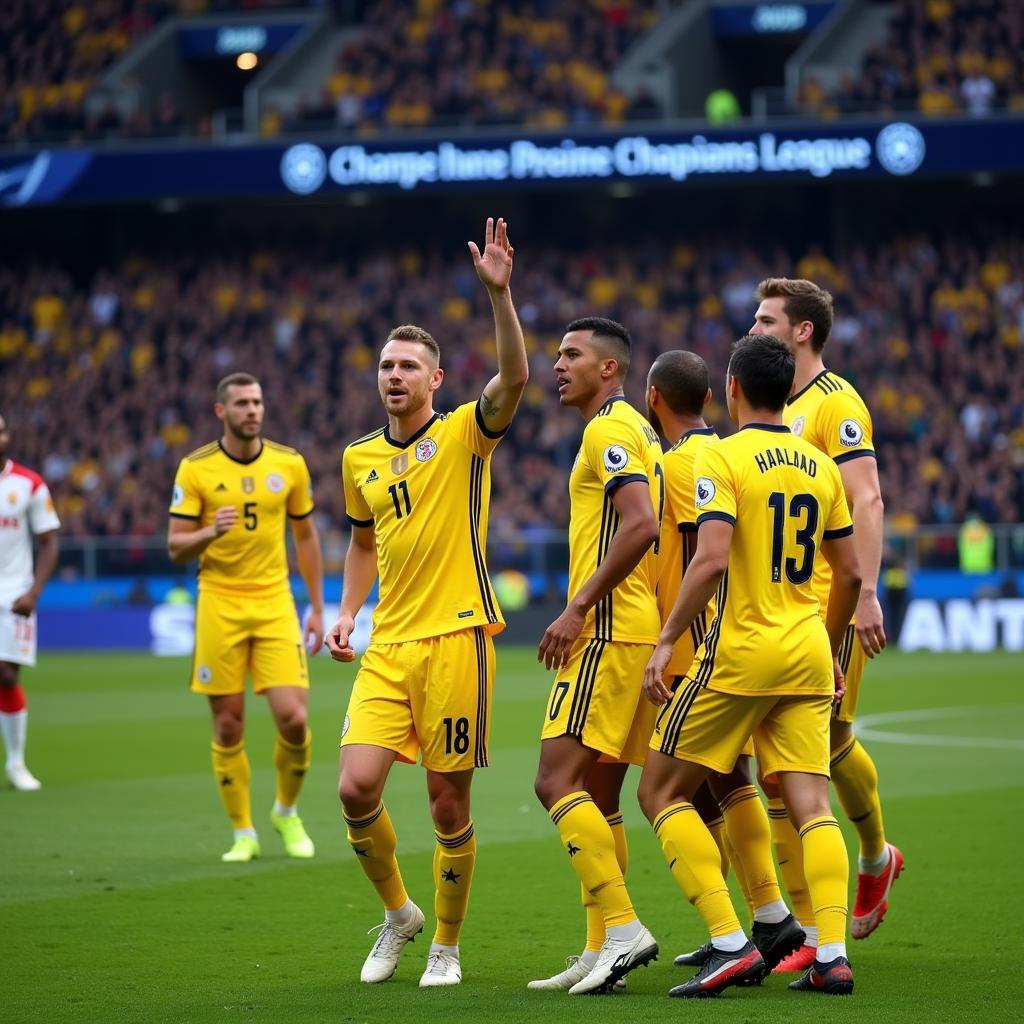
(768, 506)
(231, 500)
(677, 391)
(601, 642)
(826, 410)
(26, 510)
(417, 494)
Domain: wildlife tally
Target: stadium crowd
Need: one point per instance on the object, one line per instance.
(939, 57)
(108, 382)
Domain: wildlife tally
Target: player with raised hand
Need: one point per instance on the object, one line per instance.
(231, 501)
(417, 494)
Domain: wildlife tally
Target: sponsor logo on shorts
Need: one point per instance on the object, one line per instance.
(204, 674)
(851, 433)
(275, 483)
(704, 491)
(425, 450)
(466, 615)
(616, 458)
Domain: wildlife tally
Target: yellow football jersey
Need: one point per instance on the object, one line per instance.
(783, 499)
(265, 490)
(833, 417)
(427, 499)
(679, 542)
(619, 446)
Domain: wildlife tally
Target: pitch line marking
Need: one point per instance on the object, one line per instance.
(865, 728)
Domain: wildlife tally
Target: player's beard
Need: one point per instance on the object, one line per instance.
(652, 418)
(238, 431)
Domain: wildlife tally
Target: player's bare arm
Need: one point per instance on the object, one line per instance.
(494, 268)
(185, 541)
(46, 562)
(360, 572)
(702, 577)
(311, 568)
(864, 494)
(638, 530)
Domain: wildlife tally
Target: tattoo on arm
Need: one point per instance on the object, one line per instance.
(487, 407)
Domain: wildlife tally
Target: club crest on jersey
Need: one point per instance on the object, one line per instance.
(177, 495)
(851, 433)
(425, 450)
(798, 426)
(400, 463)
(248, 484)
(275, 483)
(616, 458)
(703, 492)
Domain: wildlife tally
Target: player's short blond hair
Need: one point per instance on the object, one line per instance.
(803, 300)
(410, 332)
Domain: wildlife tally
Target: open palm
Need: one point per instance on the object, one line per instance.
(494, 266)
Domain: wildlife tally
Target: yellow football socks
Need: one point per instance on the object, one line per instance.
(374, 841)
(827, 867)
(750, 836)
(789, 853)
(696, 865)
(717, 830)
(454, 861)
(595, 917)
(590, 843)
(291, 763)
(231, 768)
(856, 780)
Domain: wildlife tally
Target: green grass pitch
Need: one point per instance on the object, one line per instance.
(115, 906)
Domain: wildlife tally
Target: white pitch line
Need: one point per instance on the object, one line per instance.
(865, 728)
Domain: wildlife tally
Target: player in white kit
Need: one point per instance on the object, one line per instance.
(26, 510)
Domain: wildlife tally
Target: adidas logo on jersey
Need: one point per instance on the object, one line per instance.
(220, 487)
(373, 476)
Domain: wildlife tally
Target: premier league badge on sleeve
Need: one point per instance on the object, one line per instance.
(704, 491)
(851, 433)
(616, 458)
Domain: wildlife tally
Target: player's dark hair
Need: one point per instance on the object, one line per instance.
(764, 366)
(611, 335)
(410, 332)
(233, 380)
(682, 380)
(803, 300)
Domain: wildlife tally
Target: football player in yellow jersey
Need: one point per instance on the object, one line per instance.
(231, 501)
(769, 506)
(417, 495)
(678, 389)
(826, 410)
(600, 644)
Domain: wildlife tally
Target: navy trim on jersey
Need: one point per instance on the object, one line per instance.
(618, 481)
(492, 434)
(178, 515)
(305, 515)
(242, 462)
(807, 386)
(843, 531)
(775, 428)
(412, 440)
(359, 522)
(705, 517)
(847, 456)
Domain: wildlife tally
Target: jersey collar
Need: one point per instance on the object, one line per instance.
(415, 437)
(775, 428)
(697, 430)
(612, 401)
(813, 380)
(242, 462)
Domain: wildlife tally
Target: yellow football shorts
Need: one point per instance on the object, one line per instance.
(427, 697)
(852, 661)
(239, 632)
(711, 728)
(598, 698)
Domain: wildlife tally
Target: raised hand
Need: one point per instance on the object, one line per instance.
(494, 266)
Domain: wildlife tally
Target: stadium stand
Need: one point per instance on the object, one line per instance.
(107, 379)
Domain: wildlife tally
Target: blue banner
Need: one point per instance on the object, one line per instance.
(806, 152)
(231, 40)
(753, 19)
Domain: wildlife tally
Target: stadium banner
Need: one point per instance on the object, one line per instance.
(806, 151)
(986, 624)
(232, 39)
(758, 19)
